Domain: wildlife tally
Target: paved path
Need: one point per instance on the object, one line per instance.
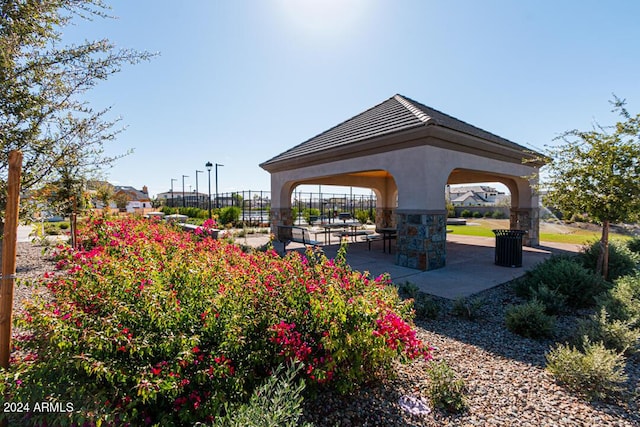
(470, 264)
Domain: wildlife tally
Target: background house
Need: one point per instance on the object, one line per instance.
(475, 195)
(136, 200)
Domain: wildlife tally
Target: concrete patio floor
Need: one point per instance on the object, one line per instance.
(470, 264)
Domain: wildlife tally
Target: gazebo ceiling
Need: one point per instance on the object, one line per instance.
(396, 121)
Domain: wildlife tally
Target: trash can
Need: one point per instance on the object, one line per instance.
(509, 247)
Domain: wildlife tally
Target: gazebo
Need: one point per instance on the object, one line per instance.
(407, 153)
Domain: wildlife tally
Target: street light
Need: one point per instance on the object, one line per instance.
(172, 179)
(209, 165)
(184, 202)
(197, 194)
(217, 184)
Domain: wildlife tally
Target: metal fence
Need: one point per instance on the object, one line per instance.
(255, 205)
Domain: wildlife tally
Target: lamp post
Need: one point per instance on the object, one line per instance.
(197, 193)
(172, 179)
(209, 165)
(184, 202)
(217, 184)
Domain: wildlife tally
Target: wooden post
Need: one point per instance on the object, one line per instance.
(9, 246)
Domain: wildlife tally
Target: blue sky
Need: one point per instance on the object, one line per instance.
(237, 82)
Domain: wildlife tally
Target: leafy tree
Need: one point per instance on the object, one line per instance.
(42, 81)
(597, 172)
(104, 193)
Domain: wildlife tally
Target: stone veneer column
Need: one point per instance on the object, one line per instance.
(280, 216)
(527, 219)
(385, 217)
(422, 239)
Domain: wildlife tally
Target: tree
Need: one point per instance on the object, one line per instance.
(122, 199)
(42, 112)
(104, 193)
(597, 172)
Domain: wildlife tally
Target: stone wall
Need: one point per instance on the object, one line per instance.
(527, 219)
(422, 239)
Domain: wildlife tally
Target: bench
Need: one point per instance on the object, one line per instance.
(290, 233)
(355, 233)
(384, 237)
(213, 232)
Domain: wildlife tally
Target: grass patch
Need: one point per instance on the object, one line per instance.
(484, 227)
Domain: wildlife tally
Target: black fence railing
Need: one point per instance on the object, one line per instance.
(255, 206)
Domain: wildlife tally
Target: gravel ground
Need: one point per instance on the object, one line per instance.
(504, 374)
(31, 264)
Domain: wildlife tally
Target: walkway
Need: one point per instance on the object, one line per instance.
(470, 264)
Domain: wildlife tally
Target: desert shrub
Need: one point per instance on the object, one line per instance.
(595, 372)
(445, 390)
(229, 215)
(425, 307)
(150, 324)
(566, 276)
(467, 308)
(622, 261)
(408, 290)
(529, 320)
(466, 213)
(554, 302)
(622, 301)
(615, 334)
(277, 402)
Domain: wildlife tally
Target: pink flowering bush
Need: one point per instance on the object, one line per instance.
(150, 325)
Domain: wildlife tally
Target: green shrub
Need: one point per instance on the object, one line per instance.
(467, 308)
(64, 225)
(229, 215)
(277, 402)
(477, 214)
(193, 212)
(566, 276)
(498, 215)
(488, 214)
(445, 390)
(364, 215)
(529, 320)
(615, 334)
(554, 302)
(52, 230)
(466, 213)
(634, 245)
(622, 261)
(622, 302)
(595, 372)
(576, 217)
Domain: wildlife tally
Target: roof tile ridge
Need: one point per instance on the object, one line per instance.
(425, 118)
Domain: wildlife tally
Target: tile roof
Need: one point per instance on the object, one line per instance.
(396, 114)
